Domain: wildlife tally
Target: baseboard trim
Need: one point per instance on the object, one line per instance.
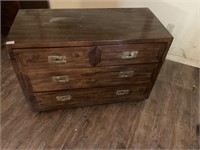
(183, 60)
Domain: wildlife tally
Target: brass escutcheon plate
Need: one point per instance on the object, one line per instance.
(122, 92)
(61, 79)
(126, 74)
(129, 54)
(57, 59)
(63, 98)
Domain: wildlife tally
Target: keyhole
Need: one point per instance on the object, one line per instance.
(57, 59)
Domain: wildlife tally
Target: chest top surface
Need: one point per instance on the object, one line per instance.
(61, 25)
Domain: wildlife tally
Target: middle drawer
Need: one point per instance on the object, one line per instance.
(63, 78)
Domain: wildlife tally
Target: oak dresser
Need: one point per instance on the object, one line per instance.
(78, 57)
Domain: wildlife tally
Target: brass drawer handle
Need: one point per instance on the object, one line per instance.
(122, 92)
(57, 59)
(63, 98)
(126, 74)
(60, 79)
(129, 54)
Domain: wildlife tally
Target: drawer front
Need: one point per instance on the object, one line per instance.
(74, 57)
(87, 57)
(82, 97)
(49, 80)
(131, 53)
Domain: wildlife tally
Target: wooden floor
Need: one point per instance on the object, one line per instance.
(168, 119)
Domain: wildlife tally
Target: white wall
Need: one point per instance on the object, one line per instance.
(184, 15)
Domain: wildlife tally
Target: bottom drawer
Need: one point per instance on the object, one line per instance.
(86, 97)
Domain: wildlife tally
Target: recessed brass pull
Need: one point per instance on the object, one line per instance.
(57, 59)
(126, 74)
(129, 54)
(60, 79)
(63, 98)
(122, 92)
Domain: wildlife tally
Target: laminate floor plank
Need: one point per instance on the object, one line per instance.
(100, 130)
(167, 120)
(181, 132)
(181, 75)
(195, 117)
(139, 140)
(70, 123)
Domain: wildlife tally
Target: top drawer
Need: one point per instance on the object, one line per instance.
(84, 57)
(131, 53)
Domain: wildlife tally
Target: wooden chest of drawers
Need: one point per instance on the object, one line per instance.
(79, 57)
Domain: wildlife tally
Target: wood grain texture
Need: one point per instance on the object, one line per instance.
(26, 92)
(145, 41)
(94, 57)
(114, 53)
(41, 80)
(147, 53)
(78, 57)
(167, 120)
(83, 25)
(88, 97)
